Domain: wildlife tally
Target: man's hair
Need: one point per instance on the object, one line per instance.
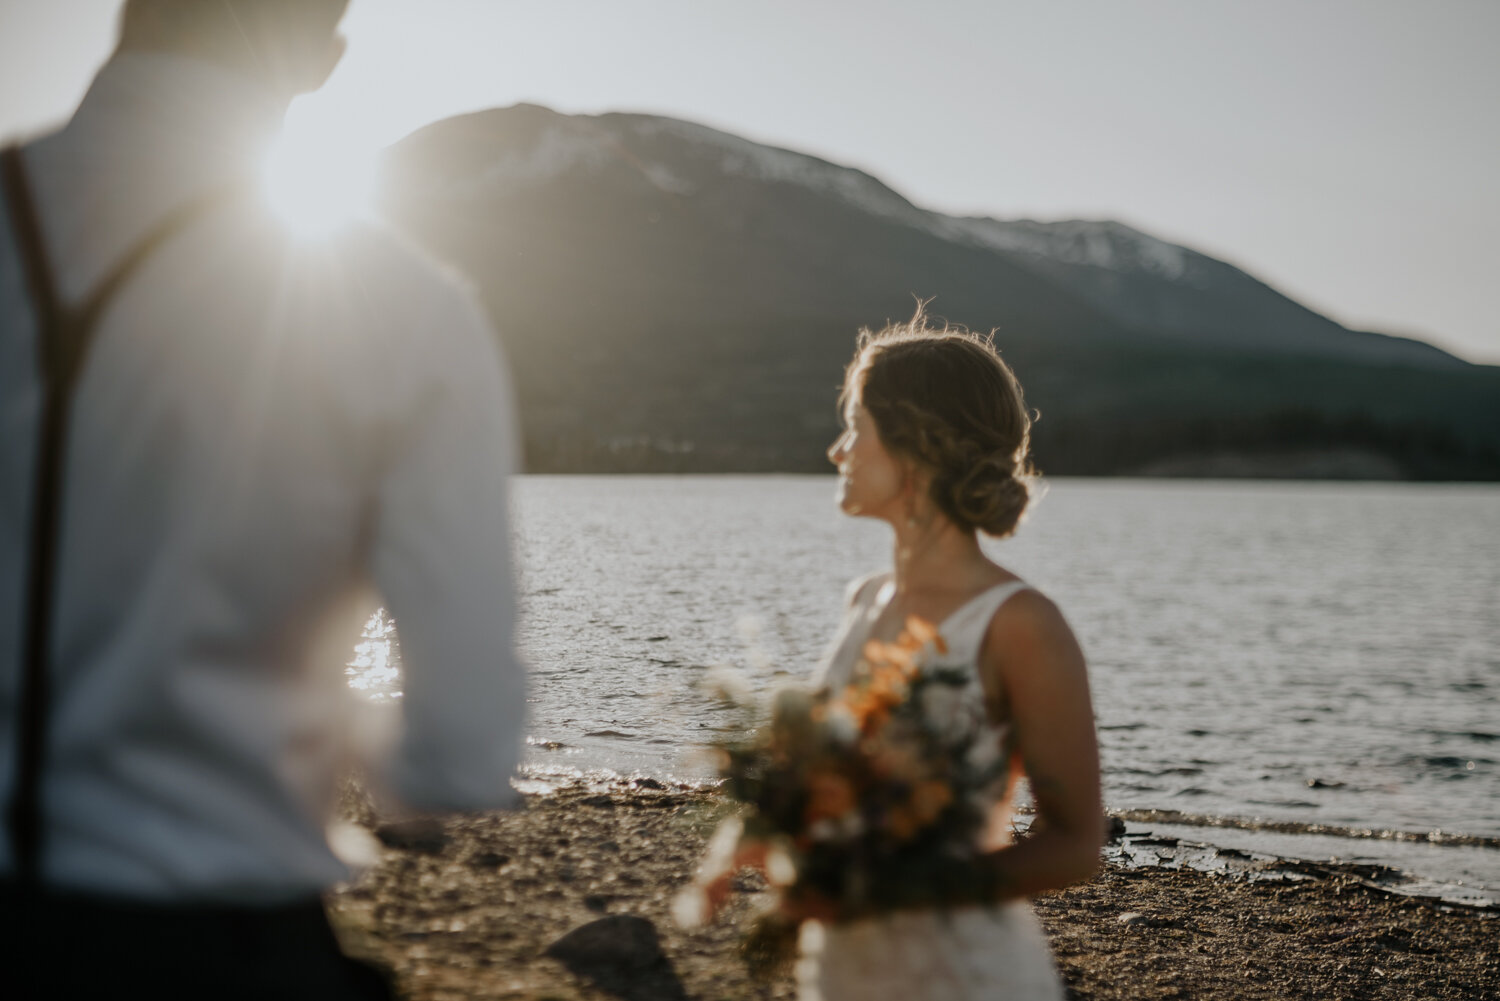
(271, 37)
(155, 20)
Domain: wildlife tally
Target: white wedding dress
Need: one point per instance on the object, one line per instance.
(995, 953)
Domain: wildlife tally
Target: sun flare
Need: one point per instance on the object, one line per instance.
(316, 184)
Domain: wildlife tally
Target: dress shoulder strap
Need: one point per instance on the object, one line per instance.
(964, 630)
(862, 591)
(861, 598)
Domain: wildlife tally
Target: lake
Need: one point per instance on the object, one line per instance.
(1291, 655)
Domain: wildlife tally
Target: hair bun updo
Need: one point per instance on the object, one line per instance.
(944, 398)
(990, 497)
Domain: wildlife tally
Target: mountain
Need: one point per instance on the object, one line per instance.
(1155, 286)
(676, 297)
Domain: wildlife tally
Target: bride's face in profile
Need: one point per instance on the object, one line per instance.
(871, 481)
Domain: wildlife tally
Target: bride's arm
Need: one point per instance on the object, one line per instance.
(1033, 667)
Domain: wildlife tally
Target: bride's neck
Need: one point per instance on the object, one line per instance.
(932, 554)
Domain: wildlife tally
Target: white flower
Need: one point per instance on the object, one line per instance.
(838, 830)
(842, 727)
(851, 824)
(984, 754)
(942, 706)
(690, 907)
(718, 856)
(824, 830)
(727, 683)
(780, 869)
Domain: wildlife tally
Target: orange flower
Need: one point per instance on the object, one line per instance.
(887, 685)
(929, 798)
(889, 655)
(863, 706)
(885, 674)
(870, 702)
(893, 763)
(902, 823)
(922, 807)
(922, 632)
(829, 796)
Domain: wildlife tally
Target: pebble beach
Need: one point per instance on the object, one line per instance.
(569, 897)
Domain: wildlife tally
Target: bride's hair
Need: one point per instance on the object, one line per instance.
(943, 398)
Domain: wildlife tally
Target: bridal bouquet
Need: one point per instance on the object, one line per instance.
(860, 801)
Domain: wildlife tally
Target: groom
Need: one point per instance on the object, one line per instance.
(257, 430)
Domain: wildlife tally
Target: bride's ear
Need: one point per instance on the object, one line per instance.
(915, 483)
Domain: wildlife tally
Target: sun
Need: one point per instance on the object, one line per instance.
(317, 182)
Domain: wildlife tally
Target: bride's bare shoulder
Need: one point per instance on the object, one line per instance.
(1029, 632)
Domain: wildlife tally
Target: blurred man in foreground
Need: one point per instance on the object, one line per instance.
(258, 428)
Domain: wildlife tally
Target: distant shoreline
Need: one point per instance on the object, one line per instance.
(1299, 466)
(1121, 478)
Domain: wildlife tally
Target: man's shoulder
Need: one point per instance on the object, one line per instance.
(366, 318)
(398, 296)
(389, 264)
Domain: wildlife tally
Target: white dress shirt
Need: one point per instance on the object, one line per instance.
(263, 429)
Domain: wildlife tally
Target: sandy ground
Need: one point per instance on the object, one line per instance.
(569, 898)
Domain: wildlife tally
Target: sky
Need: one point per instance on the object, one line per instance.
(1345, 151)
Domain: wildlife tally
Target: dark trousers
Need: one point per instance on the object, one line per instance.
(65, 946)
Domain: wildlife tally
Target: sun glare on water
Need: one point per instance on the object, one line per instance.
(316, 184)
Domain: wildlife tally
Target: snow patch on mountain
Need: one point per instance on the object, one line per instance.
(663, 179)
(570, 144)
(743, 158)
(558, 150)
(1110, 245)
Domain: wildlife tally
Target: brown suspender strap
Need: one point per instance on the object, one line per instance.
(63, 337)
(24, 815)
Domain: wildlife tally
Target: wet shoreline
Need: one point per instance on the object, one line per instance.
(1269, 854)
(1435, 837)
(1448, 867)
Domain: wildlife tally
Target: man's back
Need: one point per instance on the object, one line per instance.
(262, 428)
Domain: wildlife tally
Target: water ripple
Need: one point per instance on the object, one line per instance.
(1330, 652)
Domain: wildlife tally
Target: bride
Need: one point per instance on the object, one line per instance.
(935, 444)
